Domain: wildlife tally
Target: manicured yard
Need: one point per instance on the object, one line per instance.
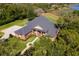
(17, 22)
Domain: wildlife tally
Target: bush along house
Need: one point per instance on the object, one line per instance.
(38, 26)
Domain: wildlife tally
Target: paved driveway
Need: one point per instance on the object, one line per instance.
(9, 31)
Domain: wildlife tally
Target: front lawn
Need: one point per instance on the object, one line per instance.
(13, 46)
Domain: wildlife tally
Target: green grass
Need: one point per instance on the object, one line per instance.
(17, 22)
(1, 34)
(30, 39)
(14, 45)
(51, 17)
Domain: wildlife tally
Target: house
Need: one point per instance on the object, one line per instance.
(38, 26)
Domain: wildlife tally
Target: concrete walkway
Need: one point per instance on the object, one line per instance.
(29, 45)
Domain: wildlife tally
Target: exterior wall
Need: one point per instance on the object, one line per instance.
(53, 38)
(20, 36)
(38, 34)
(28, 35)
(17, 35)
(24, 37)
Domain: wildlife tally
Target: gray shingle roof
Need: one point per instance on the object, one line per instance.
(48, 26)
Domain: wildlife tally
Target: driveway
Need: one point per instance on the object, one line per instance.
(9, 31)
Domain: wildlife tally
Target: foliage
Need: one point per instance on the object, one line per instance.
(1, 34)
(76, 12)
(43, 47)
(12, 12)
(68, 38)
(11, 47)
(66, 43)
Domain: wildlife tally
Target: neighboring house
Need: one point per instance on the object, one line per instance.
(38, 26)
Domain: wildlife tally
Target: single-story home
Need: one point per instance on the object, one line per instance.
(38, 26)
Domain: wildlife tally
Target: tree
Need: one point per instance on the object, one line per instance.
(43, 46)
